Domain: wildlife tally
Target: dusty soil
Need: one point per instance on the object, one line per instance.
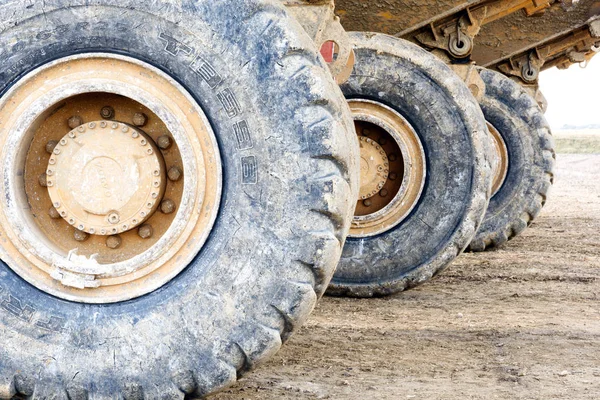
(522, 322)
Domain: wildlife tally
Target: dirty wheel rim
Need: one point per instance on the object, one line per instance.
(104, 204)
(393, 168)
(500, 164)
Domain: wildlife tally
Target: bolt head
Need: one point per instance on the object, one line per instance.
(43, 180)
(114, 242)
(366, 132)
(393, 157)
(367, 203)
(80, 236)
(167, 206)
(383, 192)
(164, 142)
(53, 213)
(140, 119)
(174, 174)
(114, 218)
(383, 141)
(107, 112)
(50, 146)
(145, 231)
(75, 121)
(393, 176)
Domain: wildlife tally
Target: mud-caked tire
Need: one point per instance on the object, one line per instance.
(530, 160)
(404, 79)
(288, 153)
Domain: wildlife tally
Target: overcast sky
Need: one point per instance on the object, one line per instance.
(573, 95)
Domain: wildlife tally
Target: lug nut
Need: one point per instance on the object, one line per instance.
(393, 157)
(366, 132)
(383, 192)
(43, 180)
(114, 218)
(367, 203)
(75, 121)
(107, 112)
(114, 242)
(140, 119)
(383, 141)
(393, 176)
(145, 231)
(50, 146)
(80, 236)
(53, 213)
(174, 174)
(167, 206)
(164, 142)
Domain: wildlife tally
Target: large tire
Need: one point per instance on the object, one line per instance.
(279, 231)
(520, 122)
(453, 134)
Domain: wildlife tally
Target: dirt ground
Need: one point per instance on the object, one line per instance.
(522, 322)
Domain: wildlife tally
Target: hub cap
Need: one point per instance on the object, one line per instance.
(111, 178)
(106, 178)
(393, 168)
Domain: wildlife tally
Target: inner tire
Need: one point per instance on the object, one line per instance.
(288, 152)
(438, 106)
(521, 124)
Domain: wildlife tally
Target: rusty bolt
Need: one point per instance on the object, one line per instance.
(383, 192)
(50, 146)
(367, 203)
(393, 157)
(168, 206)
(145, 231)
(383, 141)
(140, 119)
(53, 213)
(80, 236)
(393, 176)
(366, 132)
(43, 180)
(107, 112)
(75, 121)
(114, 218)
(174, 174)
(164, 142)
(114, 242)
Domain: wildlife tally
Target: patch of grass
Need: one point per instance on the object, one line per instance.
(577, 142)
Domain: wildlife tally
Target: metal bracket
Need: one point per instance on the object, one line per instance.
(457, 35)
(318, 19)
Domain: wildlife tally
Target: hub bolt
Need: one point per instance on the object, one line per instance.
(366, 132)
(140, 119)
(43, 180)
(114, 218)
(145, 231)
(393, 176)
(80, 236)
(367, 203)
(167, 206)
(107, 112)
(393, 157)
(50, 146)
(53, 213)
(114, 242)
(174, 174)
(383, 141)
(383, 192)
(164, 142)
(75, 121)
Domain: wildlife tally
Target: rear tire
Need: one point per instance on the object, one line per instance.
(403, 78)
(520, 122)
(288, 152)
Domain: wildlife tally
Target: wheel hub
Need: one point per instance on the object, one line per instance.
(374, 168)
(105, 178)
